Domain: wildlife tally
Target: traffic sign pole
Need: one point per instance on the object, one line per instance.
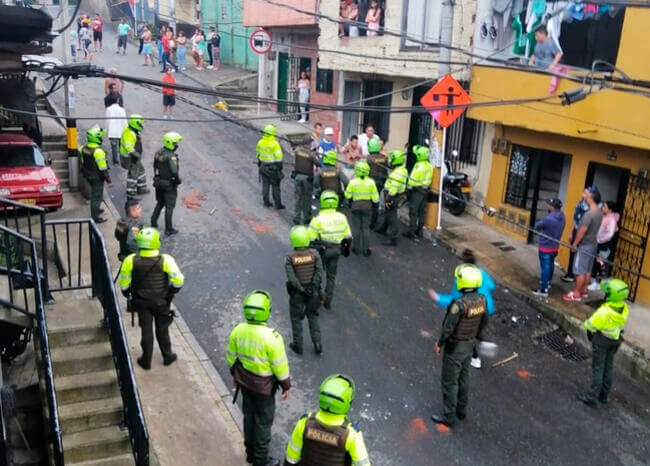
(442, 177)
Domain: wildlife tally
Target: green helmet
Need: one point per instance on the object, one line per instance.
(136, 122)
(95, 134)
(421, 153)
(299, 236)
(397, 157)
(615, 290)
(361, 169)
(270, 130)
(257, 306)
(329, 200)
(171, 140)
(374, 146)
(330, 158)
(336, 394)
(148, 238)
(468, 277)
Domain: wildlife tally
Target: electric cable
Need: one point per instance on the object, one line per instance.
(72, 18)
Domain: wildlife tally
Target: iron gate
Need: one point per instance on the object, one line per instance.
(633, 232)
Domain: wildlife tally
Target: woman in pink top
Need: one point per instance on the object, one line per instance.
(372, 18)
(605, 238)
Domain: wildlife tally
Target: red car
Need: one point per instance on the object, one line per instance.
(25, 175)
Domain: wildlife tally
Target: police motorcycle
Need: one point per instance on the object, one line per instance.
(456, 187)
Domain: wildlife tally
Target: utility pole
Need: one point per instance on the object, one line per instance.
(64, 52)
(172, 14)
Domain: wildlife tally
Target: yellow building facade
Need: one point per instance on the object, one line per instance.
(543, 149)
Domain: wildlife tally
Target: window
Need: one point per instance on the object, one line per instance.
(324, 80)
(518, 177)
(465, 135)
(422, 22)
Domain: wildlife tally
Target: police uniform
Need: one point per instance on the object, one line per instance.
(378, 171)
(151, 279)
(303, 175)
(269, 159)
(393, 189)
(418, 186)
(95, 170)
(131, 159)
(166, 181)
(126, 231)
(465, 320)
(330, 179)
(304, 269)
(362, 192)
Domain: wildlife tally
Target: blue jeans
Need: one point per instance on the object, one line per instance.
(547, 266)
(181, 56)
(165, 60)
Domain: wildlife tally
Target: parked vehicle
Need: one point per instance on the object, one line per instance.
(25, 175)
(457, 188)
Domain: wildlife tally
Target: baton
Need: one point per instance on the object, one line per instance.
(234, 398)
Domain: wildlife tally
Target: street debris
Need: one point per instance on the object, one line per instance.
(214, 209)
(506, 360)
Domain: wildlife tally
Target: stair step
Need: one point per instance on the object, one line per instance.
(95, 444)
(121, 460)
(86, 387)
(50, 146)
(81, 359)
(57, 154)
(77, 335)
(86, 415)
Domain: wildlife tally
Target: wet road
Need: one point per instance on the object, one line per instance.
(382, 327)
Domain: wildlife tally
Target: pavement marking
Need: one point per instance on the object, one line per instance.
(443, 429)
(417, 430)
(524, 374)
(371, 312)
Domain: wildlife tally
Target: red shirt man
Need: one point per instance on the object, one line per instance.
(168, 78)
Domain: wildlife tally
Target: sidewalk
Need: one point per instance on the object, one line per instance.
(188, 408)
(516, 266)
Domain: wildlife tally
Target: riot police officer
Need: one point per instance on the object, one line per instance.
(393, 191)
(166, 181)
(418, 189)
(362, 193)
(303, 175)
(131, 156)
(304, 269)
(150, 280)
(269, 161)
(330, 175)
(95, 170)
(605, 330)
(259, 365)
(463, 324)
(127, 229)
(330, 229)
(328, 437)
(378, 171)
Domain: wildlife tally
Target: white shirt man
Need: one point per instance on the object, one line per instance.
(365, 137)
(116, 122)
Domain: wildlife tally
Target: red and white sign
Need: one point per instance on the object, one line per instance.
(261, 41)
(442, 98)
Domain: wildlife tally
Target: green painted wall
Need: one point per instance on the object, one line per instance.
(227, 16)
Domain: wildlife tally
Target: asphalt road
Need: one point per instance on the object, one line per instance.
(382, 327)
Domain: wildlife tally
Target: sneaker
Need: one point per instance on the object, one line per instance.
(568, 279)
(571, 297)
(540, 293)
(476, 363)
(593, 286)
(209, 67)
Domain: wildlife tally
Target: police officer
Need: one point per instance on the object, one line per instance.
(418, 189)
(605, 329)
(131, 156)
(258, 364)
(361, 191)
(150, 280)
(304, 269)
(331, 231)
(95, 170)
(328, 437)
(166, 181)
(269, 161)
(464, 322)
(303, 175)
(378, 171)
(127, 229)
(330, 175)
(393, 191)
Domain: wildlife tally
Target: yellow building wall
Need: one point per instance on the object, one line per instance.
(634, 52)
(582, 152)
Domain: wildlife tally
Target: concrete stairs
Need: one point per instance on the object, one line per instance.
(236, 104)
(89, 401)
(56, 149)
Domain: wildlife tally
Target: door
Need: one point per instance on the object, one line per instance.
(380, 120)
(350, 126)
(283, 71)
(420, 126)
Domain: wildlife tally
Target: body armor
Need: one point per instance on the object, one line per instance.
(149, 280)
(89, 165)
(472, 308)
(324, 445)
(304, 265)
(378, 164)
(304, 162)
(161, 165)
(329, 179)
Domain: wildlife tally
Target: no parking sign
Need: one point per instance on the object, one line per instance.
(260, 41)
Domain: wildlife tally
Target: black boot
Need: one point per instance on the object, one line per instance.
(587, 399)
(295, 348)
(141, 363)
(170, 359)
(318, 347)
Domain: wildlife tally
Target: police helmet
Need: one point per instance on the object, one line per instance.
(95, 134)
(397, 157)
(329, 200)
(257, 306)
(468, 277)
(336, 394)
(330, 157)
(299, 236)
(270, 130)
(361, 169)
(421, 153)
(615, 290)
(171, 140)
(148, 238)
(374, 146)
(136, 122)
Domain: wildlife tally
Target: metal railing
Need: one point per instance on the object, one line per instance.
(4, 439)
(97, 277)
(19, 261)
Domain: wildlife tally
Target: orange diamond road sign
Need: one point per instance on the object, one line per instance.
(441, 98)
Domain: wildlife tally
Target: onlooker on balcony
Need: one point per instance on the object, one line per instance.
(343, 13)
(351, 17)
(547, 53)
(551, 227)
(373, 18)
(304, 92)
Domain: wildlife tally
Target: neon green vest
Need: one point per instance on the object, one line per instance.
(609, 319)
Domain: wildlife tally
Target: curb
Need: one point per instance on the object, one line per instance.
(225, 396)
(631, 360)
